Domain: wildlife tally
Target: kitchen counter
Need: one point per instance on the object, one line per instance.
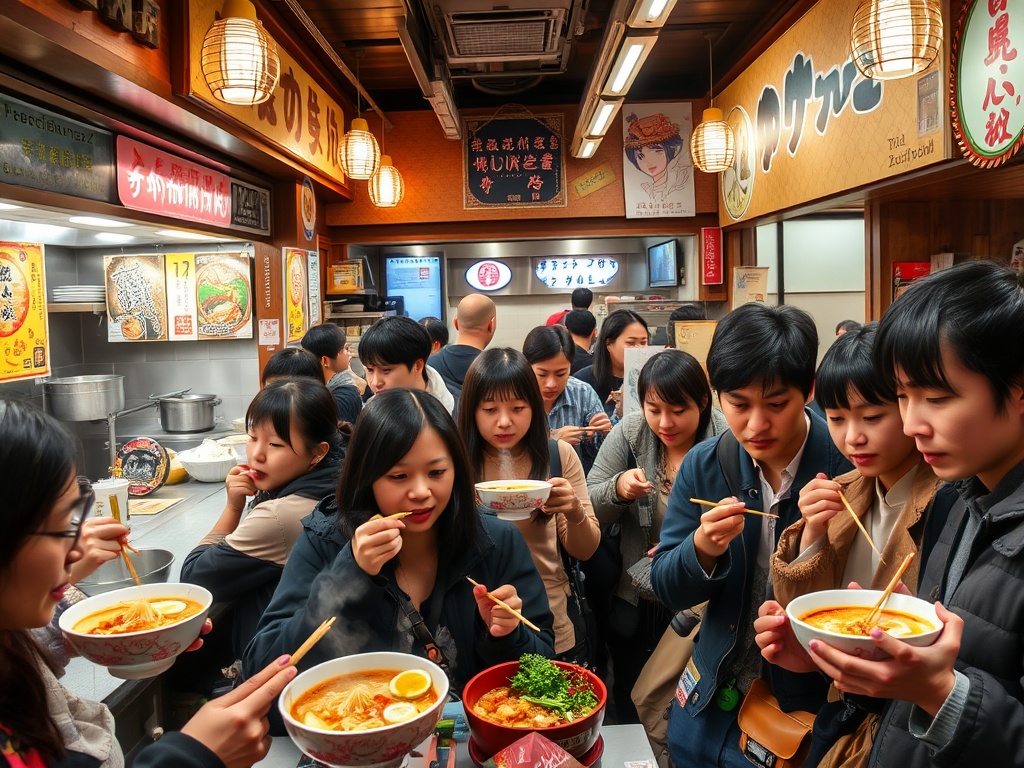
(177, 530)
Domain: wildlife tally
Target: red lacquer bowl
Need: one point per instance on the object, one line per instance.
(576, 737)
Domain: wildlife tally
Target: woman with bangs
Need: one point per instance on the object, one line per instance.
(630, 484)
(503, 422)
(293, 459)
(622, 329)
(390, 553)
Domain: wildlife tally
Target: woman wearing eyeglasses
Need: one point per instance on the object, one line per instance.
(42, 551)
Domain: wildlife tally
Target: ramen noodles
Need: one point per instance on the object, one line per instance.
(359, 701)
(852, 620)
(138, 615)
(506, 707)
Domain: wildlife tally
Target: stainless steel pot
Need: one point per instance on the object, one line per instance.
(187, 413)
(84, 398)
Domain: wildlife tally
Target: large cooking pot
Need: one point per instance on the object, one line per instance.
(84, 398)
(187, 413)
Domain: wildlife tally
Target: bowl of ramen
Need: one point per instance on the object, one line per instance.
(512, 499)
(368, 709)
(137, 632)
(499, 709)
(152, 566)
(838, 617)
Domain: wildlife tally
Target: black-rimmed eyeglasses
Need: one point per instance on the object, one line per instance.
(86, 499)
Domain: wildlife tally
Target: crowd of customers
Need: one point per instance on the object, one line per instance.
(718, 500)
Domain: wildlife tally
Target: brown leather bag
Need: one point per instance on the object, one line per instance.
(769, 737)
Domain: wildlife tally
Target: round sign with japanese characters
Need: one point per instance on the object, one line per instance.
(988, 83)
(488, 275)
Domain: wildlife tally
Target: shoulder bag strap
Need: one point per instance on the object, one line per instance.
(422, 632)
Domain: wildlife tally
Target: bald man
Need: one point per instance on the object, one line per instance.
(475, 321)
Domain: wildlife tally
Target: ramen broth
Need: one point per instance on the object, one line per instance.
(138, 615)
(359, 701)
(852, 620)
(512, 488)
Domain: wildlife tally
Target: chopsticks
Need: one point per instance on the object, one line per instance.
(508, 608)
(876, 612)
(396, 516)
(131, 568)
(312, 640)
(846, 503)
(706, 503)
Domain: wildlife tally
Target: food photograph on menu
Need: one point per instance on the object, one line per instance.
(224, 296)
(136, 298)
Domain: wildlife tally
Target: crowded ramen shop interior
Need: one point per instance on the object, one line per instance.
(448, 383)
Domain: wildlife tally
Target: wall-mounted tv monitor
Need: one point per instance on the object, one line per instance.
(417, 279)
(663, 265)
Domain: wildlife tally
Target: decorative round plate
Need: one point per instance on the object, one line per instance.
(144, 463)
(590, 757)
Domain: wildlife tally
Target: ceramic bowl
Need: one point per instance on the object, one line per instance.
(814, 601)
(237, 443)
(385, 747)
(512, 499)
(152, 566)
(136, 655)
(214, 471)
(489, 738)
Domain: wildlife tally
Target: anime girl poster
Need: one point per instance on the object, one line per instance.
(657, 170)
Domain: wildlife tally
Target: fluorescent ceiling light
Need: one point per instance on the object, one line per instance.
(650, 13)
(9, 207)
(632, 54)
(97, 221)
(183, 235)
(603, 114)
(587, 149)
(114, 237)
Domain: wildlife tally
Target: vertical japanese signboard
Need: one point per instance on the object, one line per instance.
(181, 296)
(514, 162)
(988, 62)
(24, 335)
(711, 256)
(296, 294)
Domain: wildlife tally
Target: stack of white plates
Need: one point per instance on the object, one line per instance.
(80, 293)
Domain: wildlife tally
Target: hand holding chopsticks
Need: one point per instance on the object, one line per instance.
(507, 607)
(876, 612)
(312, 640)
(706, 503)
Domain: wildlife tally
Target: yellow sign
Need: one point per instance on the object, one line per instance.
(596, 179)
(299, 117)
(808, 125)
(295, 293)
(24, 334)
(181, 296)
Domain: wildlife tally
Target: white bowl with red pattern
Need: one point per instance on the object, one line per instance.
(512, 499)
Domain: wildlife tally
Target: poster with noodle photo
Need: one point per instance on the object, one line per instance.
(656, 168)
(296, 294)
(136, 297)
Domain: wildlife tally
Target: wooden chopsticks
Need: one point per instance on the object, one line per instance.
(706, 503)
(508, 608)
(131, 568)
(846, 503)
(876, 611)
(312, 640)
(396, 516)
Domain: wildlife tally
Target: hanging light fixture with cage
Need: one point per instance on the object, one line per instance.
(239, 59)
(891, 39)
(386, 187)
(358, 153)
(712, 144)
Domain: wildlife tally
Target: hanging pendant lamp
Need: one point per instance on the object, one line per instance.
(386, 187)
(239, 59)
(358, 152)
(891, 39)
(712, 144)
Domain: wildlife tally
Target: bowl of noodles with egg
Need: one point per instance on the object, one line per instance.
(137, 632)
(838, 617)
(565, 703)
(368, 709)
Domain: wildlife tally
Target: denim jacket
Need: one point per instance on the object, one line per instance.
(680, 582)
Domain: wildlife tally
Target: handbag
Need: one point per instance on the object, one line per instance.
(655, 687)
(640, 574)
(769, 737)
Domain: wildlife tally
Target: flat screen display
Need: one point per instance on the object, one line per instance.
(661, 264)
(417, 279)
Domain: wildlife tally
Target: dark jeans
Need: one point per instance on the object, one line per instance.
(712, 738)
(633, 633)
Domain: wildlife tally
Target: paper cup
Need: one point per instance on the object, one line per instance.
(112, 488)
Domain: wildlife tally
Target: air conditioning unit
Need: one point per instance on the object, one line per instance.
(486, 35)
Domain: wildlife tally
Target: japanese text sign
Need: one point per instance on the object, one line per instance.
(711, 272)
(514, 162)
(564, 275)
(24, 334)
(149, 179)
(988, 118)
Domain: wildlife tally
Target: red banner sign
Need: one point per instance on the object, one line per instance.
(159, 182)
(711, 271)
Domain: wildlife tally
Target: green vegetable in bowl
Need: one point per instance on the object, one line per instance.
(539, 681)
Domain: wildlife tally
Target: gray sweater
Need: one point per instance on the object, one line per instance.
(636, 517)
